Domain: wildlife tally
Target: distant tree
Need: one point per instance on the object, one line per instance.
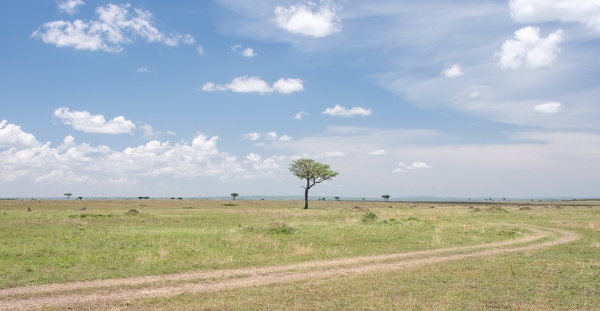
(323, 199)
(337, 198)
(140, 198)
(146, 198)
(363, 199)
(385, 197)
(503, 199)
(68, 194)
(79, 198)
(172, 198)
(179, 198)
(234, 195)
(314, 173)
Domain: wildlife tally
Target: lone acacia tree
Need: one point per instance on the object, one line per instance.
(233, 195)
(314, 173)
(385, 197)
(68, 194)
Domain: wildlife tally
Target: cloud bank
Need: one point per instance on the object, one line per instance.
(114, 26)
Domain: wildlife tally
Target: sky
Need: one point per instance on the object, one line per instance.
(205, 98)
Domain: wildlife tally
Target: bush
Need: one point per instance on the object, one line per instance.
(280, 227)
(132, 212)
(369, 217)
(229, 204)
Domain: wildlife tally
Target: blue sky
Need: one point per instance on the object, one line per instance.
(205, 98)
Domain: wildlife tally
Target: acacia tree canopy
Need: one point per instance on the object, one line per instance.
(313, 172)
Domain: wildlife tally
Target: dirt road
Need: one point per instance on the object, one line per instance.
(196, 282)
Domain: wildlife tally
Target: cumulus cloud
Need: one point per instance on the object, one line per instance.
(61, 176)
(251, 136)
(248, 52)
(270, 136)
(339, 110)
(122, 181)
(288, 86)
(114, 26)
(143, 70)
(11, 135)
(70, 6)
(309, 19)
(84, 121)
(285, 137)
(253, 157)
(300, 114)
(245, 84)
(415, 166)
(453, 71)
(529, 49)
(586, 12)
(550, 107)
(376, 152)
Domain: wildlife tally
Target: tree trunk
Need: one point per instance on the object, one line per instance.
(306, 195)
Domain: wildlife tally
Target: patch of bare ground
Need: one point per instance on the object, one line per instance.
(61, 295)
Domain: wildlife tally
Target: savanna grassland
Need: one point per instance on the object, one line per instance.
(60, 242)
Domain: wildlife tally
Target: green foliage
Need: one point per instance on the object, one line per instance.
(369, 217)
(280, 227)
(187, 207)
(312, 170)
(132, 212)
(234, 195)
(229, 204)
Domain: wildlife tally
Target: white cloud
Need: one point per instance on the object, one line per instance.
(70, 6)
(550, 107)
(11, 135)
(474, 94)
(211, 87)
(236, 47)
(171, 133)
(200, 50)
(285, 137)
(61, 176)
(114, 26)
(300, 114)
(258, 144)
(338, 110)
(415, 166)
(586, 12)
(84, 121)
(309, 19)
(188, 39)
(376, 152)
(529, 49)
(266, 164)
(288, 86)
(270, 136)
(122, 181)
(317, 155)
(453, 71)
(245, 84)
(253, 157)
(248, 52)
(251, 136)
(143, 70)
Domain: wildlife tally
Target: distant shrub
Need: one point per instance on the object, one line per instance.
(229, 204)
(414, 218)
(280, 227)
(369, 217)
(132, 212)
(187, 207)
(92, 215)
(392, 219)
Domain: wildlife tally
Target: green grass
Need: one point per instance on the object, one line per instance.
(57, 243)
